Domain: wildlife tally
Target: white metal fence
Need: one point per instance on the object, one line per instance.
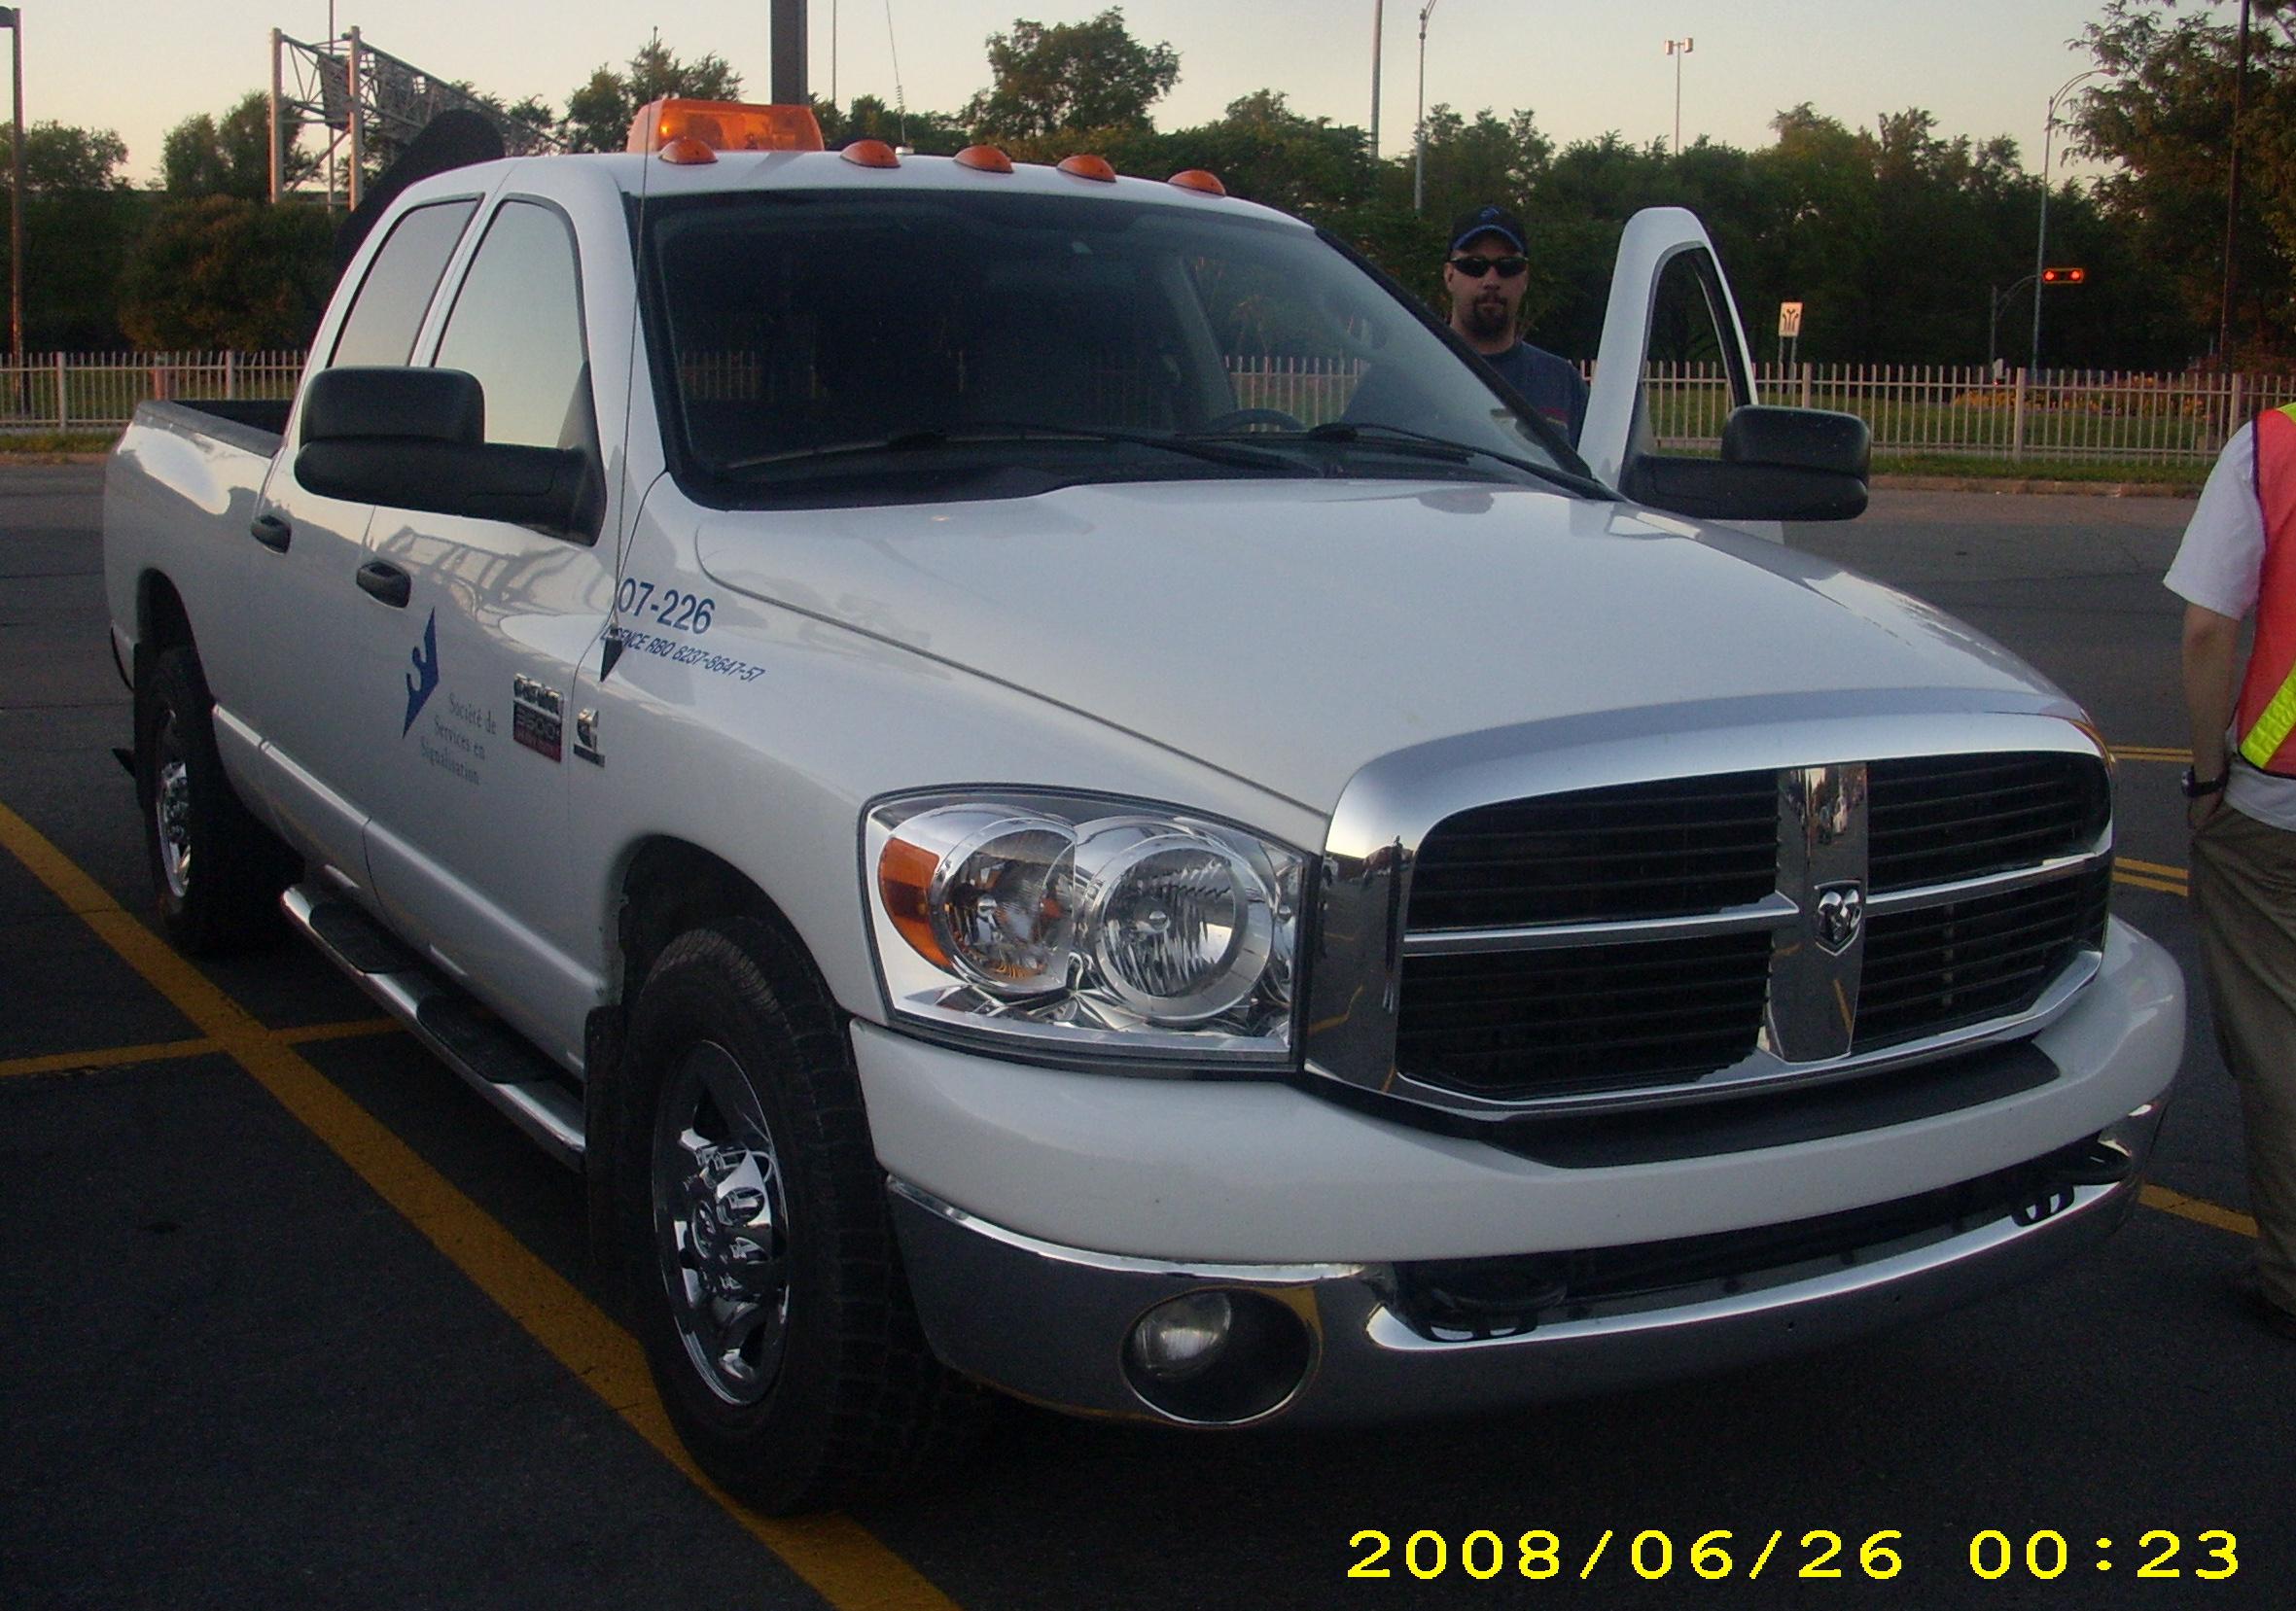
(99, 391)
(1929, 412)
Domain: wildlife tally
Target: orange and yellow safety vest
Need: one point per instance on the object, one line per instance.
(2265, 725)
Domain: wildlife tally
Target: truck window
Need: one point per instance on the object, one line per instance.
(517, 325)
(387, 314)
(960, 335)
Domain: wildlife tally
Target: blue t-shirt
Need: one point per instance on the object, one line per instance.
(1550, 384)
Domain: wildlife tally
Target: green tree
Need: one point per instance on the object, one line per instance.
(60, 156)
(1266, 152)
(1091, 75)
(79, 217)
(220, 271)
(868, 118)
(599, 113)
(232, 155)
(2163, 116)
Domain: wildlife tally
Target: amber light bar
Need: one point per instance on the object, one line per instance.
(725, 126)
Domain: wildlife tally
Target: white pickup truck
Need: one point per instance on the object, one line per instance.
(1014, 849)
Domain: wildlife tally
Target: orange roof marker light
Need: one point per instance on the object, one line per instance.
(1085, 166)
(984, 159)
(687, 152)
(872, 154)
(725, 126)
(1198, 179)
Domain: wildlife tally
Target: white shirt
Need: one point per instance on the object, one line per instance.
(2220, 567)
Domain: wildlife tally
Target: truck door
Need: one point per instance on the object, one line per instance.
(314, 665)
(1673, 360)
(468, 827)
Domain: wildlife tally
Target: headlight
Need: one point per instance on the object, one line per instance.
(1113, 927)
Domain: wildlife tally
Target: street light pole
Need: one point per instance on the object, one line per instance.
(1378, 39)
(11, 17)
(1679, 49)
(1419, 168)
(2232, 197)
(2040, 249)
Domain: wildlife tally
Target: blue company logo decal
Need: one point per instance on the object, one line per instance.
(426, 669)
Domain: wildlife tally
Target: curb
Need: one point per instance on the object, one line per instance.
(1997, 484)
(49, 458)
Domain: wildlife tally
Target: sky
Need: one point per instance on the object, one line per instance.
(1584, 67)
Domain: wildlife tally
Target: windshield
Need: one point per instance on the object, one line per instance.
(924, 345)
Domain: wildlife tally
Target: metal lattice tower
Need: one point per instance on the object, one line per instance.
(356, 94)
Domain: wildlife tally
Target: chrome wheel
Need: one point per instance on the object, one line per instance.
(720, 1225)
(172, 810)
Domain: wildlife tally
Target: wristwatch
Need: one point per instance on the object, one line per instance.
(2195, 789)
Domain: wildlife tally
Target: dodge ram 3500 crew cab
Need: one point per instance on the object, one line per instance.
(1014, 848)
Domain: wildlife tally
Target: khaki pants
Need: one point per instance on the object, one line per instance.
(2243, 891)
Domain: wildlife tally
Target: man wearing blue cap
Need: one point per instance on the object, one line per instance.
(1485, 276)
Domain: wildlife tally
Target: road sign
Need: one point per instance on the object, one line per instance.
(1789, 321)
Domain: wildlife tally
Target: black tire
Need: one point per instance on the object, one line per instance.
(832, 1393)
(216, 870)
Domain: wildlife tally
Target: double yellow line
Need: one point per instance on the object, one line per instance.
(2151, 875)
(843, 1563)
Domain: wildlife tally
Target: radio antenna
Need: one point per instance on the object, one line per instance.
(901, 101)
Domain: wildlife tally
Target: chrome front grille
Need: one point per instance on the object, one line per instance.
(1510, 1024)
(1940, 818)
(1680, 937)
(1933, 968)
(1602, 854)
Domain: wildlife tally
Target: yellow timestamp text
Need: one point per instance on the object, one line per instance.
(1820, 1553)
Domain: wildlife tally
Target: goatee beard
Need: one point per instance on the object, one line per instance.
(1488, 321)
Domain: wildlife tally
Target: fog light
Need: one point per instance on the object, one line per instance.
(1218, 1357)
(1183, 1338)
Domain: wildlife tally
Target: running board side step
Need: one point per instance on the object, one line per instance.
(490, 1056)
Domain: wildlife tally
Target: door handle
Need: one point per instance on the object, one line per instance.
(272, 531)
(379, 579)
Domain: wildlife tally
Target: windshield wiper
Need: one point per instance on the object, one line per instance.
(1399, 438)
(990, 434)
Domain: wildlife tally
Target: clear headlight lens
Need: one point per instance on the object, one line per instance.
(1119, 928)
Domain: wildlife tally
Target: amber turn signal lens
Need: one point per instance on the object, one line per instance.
(904, 876)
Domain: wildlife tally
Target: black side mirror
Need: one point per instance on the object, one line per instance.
(1777, 463)
(416, 439)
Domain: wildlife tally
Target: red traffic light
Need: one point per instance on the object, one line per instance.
(2063, 276)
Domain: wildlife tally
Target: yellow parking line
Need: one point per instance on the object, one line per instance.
(845, 1562)
(349, 1029)
(2193, 1208)
(168, 1051)
(109, 1056)
(2148, 751)
(2164, 886)
(2157, 869)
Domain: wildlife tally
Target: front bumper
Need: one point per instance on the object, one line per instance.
(1043, 1212)
(1051, 1323)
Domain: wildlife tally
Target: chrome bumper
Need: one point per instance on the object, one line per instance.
(1049, 1323)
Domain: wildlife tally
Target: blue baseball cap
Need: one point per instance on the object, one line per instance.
(1488, 220)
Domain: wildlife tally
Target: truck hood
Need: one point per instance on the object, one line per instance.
(1288, 632)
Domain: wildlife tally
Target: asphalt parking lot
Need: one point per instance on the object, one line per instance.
(289, 1317)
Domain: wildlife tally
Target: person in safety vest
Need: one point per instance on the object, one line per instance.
(2239, 558)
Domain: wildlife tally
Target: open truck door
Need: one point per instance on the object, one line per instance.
(1669, 298)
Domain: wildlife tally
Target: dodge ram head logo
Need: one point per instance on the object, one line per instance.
(1841, 914)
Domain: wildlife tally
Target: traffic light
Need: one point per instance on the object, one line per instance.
(2063, 276)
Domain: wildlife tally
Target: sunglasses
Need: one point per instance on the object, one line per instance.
(1474, 269)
